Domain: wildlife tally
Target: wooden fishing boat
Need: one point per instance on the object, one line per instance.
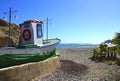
(32, 40)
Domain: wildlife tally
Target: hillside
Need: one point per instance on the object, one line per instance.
(14, 34)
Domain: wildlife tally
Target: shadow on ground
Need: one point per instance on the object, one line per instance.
(72, 68)
(66, 72)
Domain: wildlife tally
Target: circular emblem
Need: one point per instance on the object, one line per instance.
(26, 35)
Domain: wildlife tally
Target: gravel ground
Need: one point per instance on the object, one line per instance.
(76, 66)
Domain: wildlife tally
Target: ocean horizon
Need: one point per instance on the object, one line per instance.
(77, 45)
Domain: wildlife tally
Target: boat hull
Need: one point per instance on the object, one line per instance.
(47, 48)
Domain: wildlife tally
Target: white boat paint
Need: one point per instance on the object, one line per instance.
(41, 50)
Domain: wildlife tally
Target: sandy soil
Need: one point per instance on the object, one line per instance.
(76, 66)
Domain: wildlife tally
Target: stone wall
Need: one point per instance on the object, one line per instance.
(29, 71)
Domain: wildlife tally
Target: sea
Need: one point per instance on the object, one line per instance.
(74, 45)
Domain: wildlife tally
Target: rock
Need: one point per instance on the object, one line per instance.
(3, 23)
(111, 62)
(14, 34)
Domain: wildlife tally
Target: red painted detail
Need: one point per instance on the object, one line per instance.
(26, 35)
(34, 21)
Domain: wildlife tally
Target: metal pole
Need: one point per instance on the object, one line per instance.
(9, 28)
(9, 12)
(47, 28)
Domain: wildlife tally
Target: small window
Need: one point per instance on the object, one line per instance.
(39, 30)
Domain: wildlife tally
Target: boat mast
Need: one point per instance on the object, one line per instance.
(10, 12)
(9, 28)
(47, 28)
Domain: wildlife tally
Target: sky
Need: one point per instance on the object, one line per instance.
(72, 21)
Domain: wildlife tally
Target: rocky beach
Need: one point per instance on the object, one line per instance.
(76, 65)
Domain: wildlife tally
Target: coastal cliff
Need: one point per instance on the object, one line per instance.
(14, 34)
